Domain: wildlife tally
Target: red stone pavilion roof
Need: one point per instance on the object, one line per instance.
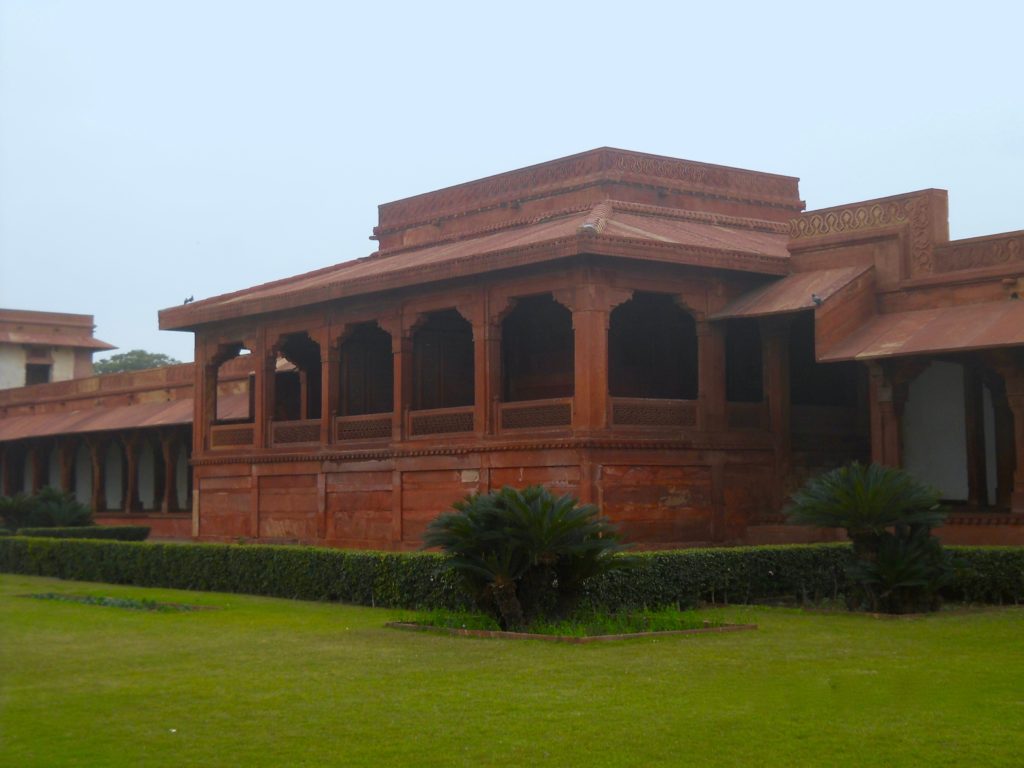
(609, 228)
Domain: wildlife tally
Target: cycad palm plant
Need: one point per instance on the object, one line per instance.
(888, 515)
(525, 552)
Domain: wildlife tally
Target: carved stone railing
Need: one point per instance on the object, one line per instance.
(231, 436)
(650, 413)
(439, 421)
(980, 252)
(746, 415)
(370, 426)
(295, 432)
(535, 414)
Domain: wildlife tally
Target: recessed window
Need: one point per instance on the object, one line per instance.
(37, 373)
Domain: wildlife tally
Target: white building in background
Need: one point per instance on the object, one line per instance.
(41, 347)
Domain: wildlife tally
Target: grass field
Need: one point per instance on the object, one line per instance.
(271, 682)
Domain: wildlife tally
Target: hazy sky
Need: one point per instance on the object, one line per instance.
(154, 150)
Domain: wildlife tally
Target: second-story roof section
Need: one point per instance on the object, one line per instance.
(605, 202)
(50, 329)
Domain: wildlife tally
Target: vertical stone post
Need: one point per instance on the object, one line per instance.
(169, 502)
(494, 374)
(591, 304)
(483, 382)
(711, 376)
(330, 386)
(37, 471)
(99, 475)
(1015, 397)
(775, 361)
(401, 372)
(974, 426)
(66, 456)
(263, 408)
(130, 476)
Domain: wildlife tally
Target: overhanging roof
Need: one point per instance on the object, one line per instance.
(45, 337)
(611, 228)
(108, 418)
(793, 293)
(934, 331)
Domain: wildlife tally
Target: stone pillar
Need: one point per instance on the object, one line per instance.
(401, 371)
(711, 376)
(1015, 398)
(888, 392)
(1005, 460)
(38, 473)
(974, 426)
(130, 478)
(494, 373)
(484, 385)
(169, 502)
(99, 475)
(263, 386)
(591, 304)
(205, 395)
(330, 387)
(775, 362)
(66, 456)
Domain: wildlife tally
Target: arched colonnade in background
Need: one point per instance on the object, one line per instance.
(129, 471)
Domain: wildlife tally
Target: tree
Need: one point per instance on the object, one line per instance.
(525, 554)
(897, 566)
(134, 360)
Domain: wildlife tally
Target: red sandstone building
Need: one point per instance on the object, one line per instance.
(680, 343)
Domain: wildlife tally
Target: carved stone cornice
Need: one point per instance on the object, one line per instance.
(980, 252)
(914, 211)
(588, 168)
(699, 442)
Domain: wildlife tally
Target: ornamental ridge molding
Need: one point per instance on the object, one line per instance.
(913, 212)
(384, 454)
(981, 252)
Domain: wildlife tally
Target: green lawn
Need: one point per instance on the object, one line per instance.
(279, 683)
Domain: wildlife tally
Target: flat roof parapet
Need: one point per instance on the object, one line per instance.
(581, 179)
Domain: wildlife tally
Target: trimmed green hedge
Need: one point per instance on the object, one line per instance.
(116, 532)
(305, 573)
(805, 573)
(421, 579)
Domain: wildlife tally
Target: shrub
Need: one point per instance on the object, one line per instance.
(525, 554)
(897, 565)
(116, 532)
(49, 508)
(801, 573)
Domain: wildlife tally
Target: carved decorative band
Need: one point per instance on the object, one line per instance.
(654, 413)
(296, 433)
(848, 219)
(231, 436)
(363, 429)
(475, 195)
(981, 253)
(536, 416)
(914, 211)
(441, 423)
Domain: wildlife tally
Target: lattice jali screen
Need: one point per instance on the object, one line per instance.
(229, 437)
(654, 413)
(363, 429)
(536, 416)
(297, 432)
(440, 423)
